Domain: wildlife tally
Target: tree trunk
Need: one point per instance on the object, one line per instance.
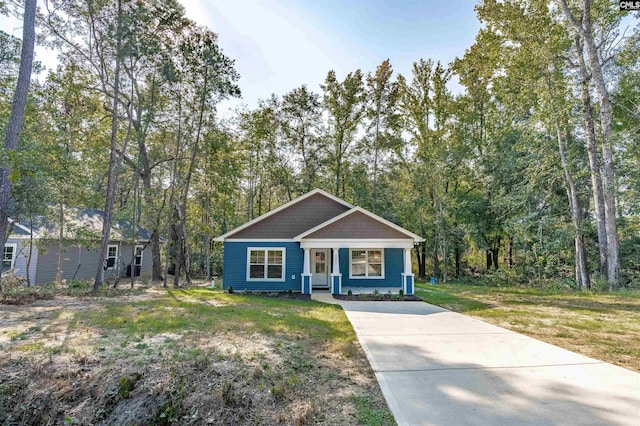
(495, 254)
(374, 191)
(14, 126)
(134, 229)
(434, 254)
(179, 244)
(60, 244)
(510, 252)
(29, 257)
(207, 257)
(156, 260)
(113, 169)
(585, 31)
(174, 176)
(421, 254)
(145, 173)
(338, 169)
(444, 241)
(488, 253)
(594, 161)
(582, 272)
(185, 196)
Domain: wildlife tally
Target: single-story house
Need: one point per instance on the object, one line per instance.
(318, 241)
(80, 247)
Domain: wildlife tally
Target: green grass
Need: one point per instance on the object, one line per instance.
(441, 297)
(605, 326)
(187, 311)
(292, 361)
(370, 413)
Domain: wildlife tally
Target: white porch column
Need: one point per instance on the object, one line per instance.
(306, 272)
(407, 261)
(407, 275)
(306, 267)
(336, 276)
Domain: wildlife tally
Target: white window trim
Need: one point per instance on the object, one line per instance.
(141, 247)
(106, 259)
(14, 254)
(266, 259)
(366, 277)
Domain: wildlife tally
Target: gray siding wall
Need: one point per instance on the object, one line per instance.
(87, 259)
(358, 225)
(295, 219)
(22, 256)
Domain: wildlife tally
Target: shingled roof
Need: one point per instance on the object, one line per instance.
(79, 223)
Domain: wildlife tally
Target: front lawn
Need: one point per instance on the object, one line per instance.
(188, 356)
(604, 326)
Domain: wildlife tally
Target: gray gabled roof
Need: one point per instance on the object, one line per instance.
(358, 223)
(292, 218)
(79, 224)
(318, 215)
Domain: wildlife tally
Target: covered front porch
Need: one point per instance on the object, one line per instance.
(362, 250)
(362, 267)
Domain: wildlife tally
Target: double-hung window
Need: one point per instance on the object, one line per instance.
(137, 260)
(366, 263)
(265, 264)
(112, 257)
(9, 256)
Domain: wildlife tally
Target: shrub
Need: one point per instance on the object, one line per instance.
(278, 392)
(127, 384)
(349, 293)
(230, 290)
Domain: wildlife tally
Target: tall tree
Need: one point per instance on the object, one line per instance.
(302, 131)
(382, 98)
(211, 76)
(344, 103)
(114, 163)
(581, 20)
(14, 125)
(594, 158)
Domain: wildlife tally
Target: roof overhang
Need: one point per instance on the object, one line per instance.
(36, 235)
(356, 243)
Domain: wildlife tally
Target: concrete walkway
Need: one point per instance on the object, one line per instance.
(437, 367)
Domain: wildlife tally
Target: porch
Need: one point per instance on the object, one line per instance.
(360, 267)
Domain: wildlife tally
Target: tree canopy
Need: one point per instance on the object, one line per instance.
(529, 175)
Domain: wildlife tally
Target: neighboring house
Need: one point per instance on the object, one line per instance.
(318, 241)
(80, 248)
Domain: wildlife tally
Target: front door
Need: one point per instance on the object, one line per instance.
(320, 267)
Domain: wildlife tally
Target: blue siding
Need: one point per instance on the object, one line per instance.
(409, 289)
(306, 284)
(336, 286)
(393, 268)
(235, 267)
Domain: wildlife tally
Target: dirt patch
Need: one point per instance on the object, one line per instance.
(95, 360)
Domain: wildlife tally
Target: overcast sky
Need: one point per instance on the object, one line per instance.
(279, 45)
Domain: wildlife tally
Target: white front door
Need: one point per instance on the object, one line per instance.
(320, 267)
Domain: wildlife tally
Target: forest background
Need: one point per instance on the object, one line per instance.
(529, 176)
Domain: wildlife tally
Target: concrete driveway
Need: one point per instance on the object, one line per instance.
(437, 367)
